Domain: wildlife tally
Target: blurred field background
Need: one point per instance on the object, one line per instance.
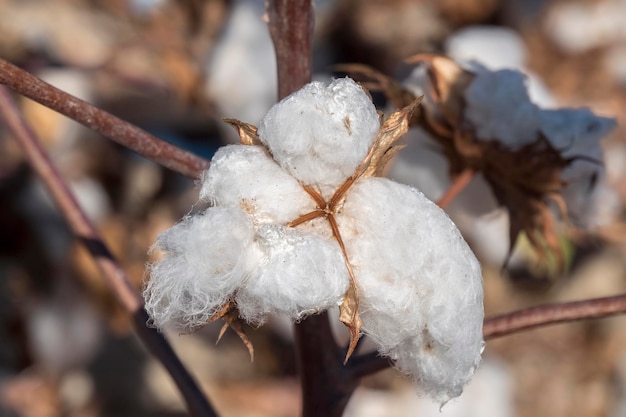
(175, 68)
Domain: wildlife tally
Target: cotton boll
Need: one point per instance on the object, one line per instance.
(247, 177)
(489, 394)
(320, 134)
(64, 332)
(420, 284)
(499, 108)
(298, 274)
(205, 261)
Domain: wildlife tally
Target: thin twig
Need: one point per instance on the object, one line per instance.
(459, 184)
(111, 270)
(549, 314)
(102, 122)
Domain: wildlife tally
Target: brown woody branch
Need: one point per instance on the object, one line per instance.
(291, 28)
(549, 314)
(102, 122)
(110, 269)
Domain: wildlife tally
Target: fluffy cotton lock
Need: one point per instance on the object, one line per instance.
(271, 270)
(320, 134)
(298, 274)
(420, 286)
(248, 177)
(204, 262)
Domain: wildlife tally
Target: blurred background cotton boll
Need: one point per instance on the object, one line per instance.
(242, 70)
(498, 47)
(64, 332)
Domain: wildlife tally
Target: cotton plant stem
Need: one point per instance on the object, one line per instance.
(102, 122)
(291, 28)
(459, 184)
(326, 387)
(110, 269)
(367, 364)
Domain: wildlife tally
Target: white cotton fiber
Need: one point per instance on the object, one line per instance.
(247, 177)
(205, 259)
(420, 284)
(499, 109)
(298, 274)
(320, 134)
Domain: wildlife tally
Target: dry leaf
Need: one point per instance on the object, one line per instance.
(386, 158)
(230, 314)
(234, 322)
(223, 311)
(349, 309)
(449, 81)
(396, 125)
(247, 132)
(349, 315)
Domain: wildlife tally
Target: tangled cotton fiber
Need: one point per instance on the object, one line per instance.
(420, 285)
